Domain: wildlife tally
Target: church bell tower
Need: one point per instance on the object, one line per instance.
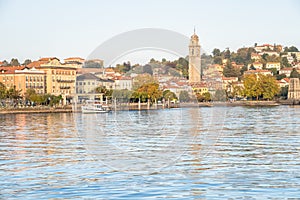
(194, 60)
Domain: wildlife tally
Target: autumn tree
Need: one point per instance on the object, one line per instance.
(264, 86)
(2, 91)
(269, 86)
(252, 87)
(149, 91)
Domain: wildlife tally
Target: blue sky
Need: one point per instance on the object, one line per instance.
(33, 29)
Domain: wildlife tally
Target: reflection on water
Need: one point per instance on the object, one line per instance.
(232, 152)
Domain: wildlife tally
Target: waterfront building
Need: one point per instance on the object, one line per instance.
(123, 82)
(87, 83)
(60, 78)
(200, 88)
(23, 78)
(294, 89)
(194, 60)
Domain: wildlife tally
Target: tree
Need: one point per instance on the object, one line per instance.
(294, 74)
(30, 95)
(218, 60)
(252, 87)
(167, 94)
(280, 76)
(2, 91)
(216, 52)
(91, 64)
(13, 93)
(184, 96)
(227, 54)
(269, 86)
(14, 62)
(285, 62)
(150, 91)
(264, 86)
(27, 62)
(148, 69)
(230, 71)
(284, 92)
(142, 79)
(122, 95)
(5, 63)
(106, 92)
(291, 49)
(203, 97)
(152, 60)
(220, 95)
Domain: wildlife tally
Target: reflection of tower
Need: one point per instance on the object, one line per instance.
(194, 60)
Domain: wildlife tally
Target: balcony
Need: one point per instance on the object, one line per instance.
(64, 87)
(64, 81)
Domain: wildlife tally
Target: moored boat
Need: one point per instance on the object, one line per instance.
(95, 107)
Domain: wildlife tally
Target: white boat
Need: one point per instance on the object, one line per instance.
(95, 107)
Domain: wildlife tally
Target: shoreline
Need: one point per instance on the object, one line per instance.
(34, 110)
(183, 105)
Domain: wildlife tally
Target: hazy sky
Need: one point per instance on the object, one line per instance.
(33, 28)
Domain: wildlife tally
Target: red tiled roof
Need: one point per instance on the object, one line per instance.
(11, 70)
(74, 58)
(47, 59)
(35, 64)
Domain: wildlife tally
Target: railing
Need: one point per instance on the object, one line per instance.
(65, 81)
(65, 87)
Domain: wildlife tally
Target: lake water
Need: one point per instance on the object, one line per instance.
(188, 153)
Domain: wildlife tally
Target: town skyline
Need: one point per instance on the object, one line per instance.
(67, 29)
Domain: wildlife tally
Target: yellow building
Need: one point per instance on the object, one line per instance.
(23, 79)
(60, 79)
(199, 88)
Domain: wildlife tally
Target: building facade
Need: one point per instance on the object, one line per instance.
(23, 78)
(60, 79)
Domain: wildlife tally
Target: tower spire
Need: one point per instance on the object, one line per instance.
(194, 30)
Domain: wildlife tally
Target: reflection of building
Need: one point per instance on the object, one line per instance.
(294, 89)
(194, 60)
